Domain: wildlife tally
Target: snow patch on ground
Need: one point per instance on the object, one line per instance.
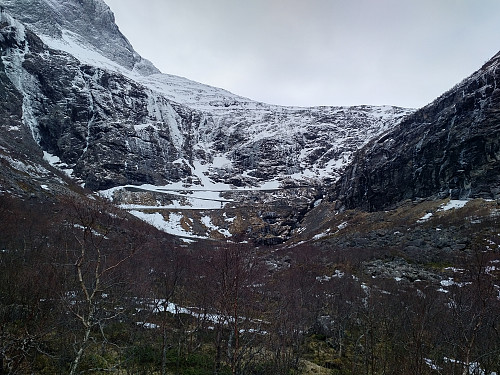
(172, 226)
(450, 282)
(424, 218)
(57, 163)
(175, 224)
(338, 274)
(207, 222)
(148, 325)
(473, 367)
(31, 169)
(321, 235)
(452, 204)
(342, 225)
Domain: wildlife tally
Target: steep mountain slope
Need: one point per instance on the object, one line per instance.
(448, 148)
(115, 123)
(87, 24)
(168, 149)
(23, 171)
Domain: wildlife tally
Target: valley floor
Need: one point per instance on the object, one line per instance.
(87, 288)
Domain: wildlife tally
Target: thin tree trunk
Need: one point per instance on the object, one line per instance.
(218, 354)
(79, 354)
(164, 351)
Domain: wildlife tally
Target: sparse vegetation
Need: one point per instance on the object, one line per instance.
(145, 305)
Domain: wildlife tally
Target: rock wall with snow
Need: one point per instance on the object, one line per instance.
(106, 127)
(216, 163)
(450, 148)
(113, 125)
(87, 23)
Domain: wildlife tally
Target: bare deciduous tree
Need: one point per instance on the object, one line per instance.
(95, 267)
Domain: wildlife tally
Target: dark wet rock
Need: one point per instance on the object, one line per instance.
(450, 148)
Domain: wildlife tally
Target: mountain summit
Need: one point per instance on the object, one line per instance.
(84, 25)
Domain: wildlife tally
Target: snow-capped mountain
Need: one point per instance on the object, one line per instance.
(113, 119)
(86, 26)
(278, 266)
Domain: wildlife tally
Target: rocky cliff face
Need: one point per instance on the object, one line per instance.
(112, 124)
(167, 149)
(105, 127)
(448, 148)
(86, 23)
(200, 162)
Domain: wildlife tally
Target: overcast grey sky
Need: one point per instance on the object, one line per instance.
(316, 52)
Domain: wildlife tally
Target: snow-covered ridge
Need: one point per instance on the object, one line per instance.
(176, 153)
(297, 143)
(161, 129)
(178, 89)
(91, 20)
